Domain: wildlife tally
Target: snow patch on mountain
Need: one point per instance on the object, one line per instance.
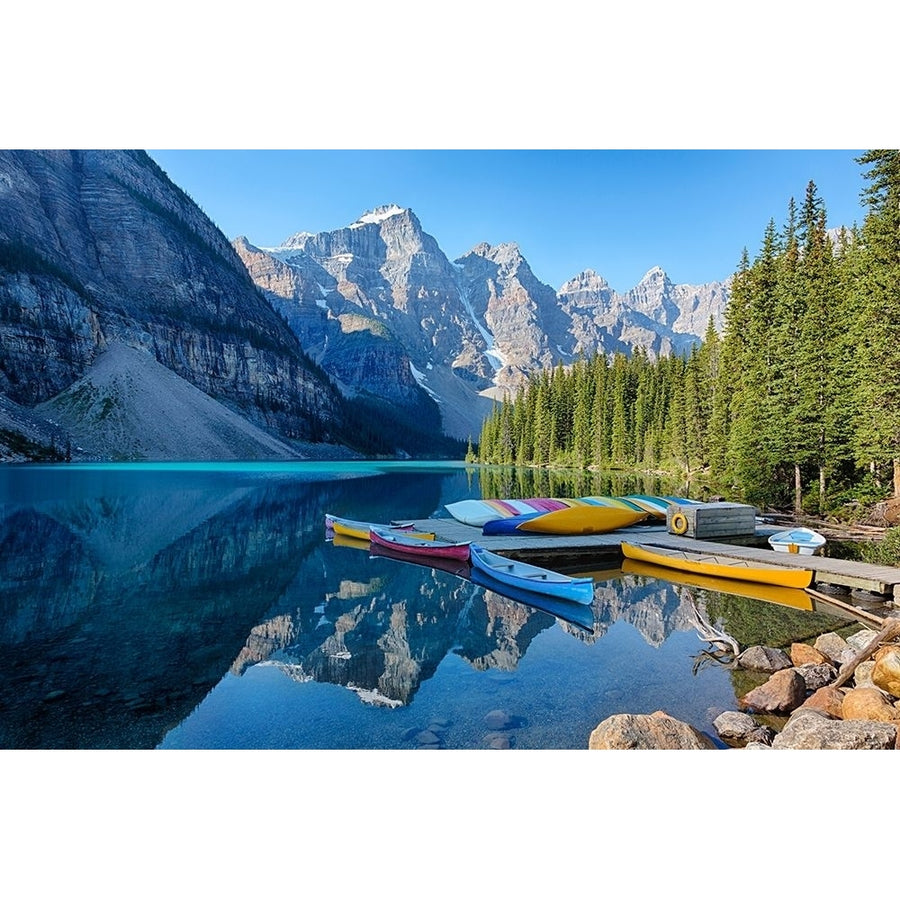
(422, 381)
(378, 215)
(494, 356)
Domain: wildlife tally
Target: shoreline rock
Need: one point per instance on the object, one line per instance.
(835, 698)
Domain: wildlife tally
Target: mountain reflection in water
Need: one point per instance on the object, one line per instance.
(202, 606)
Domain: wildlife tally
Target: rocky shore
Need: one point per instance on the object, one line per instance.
(836, 694)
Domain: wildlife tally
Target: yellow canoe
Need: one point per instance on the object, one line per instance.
(719, 566)
(770, 593)
(360, 530)
(586, 519)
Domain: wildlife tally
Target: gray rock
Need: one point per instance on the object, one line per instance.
(861, 639)
(739, 729)
(764, 659)
(862, 674)
(658, 731)
(499, 720)
(817, 675)
(814, 732)
(833, 646)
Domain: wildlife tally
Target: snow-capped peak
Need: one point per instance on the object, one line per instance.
(377, 215)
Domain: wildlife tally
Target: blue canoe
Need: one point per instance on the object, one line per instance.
(509, 525)
(578, 614)
(531, 578)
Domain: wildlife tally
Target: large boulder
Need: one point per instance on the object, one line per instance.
(828, 700)
(783, 692)
(804, 655)
(817, 675)
(886, 672)
(834, 648)
(807, 730)
(764, 659)
(869, 703)
(658, 731)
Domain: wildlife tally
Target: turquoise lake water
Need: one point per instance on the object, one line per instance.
(182, 606)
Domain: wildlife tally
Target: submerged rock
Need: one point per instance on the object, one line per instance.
(499, 720)
(427, 738)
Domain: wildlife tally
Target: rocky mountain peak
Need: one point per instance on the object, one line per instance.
(588, 280)
(380, 214)
(656, 275)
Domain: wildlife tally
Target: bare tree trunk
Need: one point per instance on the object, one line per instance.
(798, 490)
(821, 490)
(897, 476)
(874, 471)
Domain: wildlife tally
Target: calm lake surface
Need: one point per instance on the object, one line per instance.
(200, 606)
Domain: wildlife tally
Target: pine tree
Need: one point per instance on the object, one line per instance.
(877, 426)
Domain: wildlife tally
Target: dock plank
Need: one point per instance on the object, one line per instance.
(883, 580)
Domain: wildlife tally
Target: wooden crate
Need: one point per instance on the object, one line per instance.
(711, 520)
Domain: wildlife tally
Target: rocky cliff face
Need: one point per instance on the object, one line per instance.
(656, 314)
(465, 331)
(99, 247)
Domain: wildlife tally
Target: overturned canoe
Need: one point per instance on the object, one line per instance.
(531, 578)
(719, 566)
(583, 520)
(477, 512)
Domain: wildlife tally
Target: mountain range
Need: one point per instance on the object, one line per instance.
(130, 327)
(382, 309)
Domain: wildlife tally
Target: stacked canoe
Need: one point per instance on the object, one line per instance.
(553, 515)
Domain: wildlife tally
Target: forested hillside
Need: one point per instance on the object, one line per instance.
(796, 403)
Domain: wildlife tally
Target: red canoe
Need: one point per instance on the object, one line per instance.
(407, 544)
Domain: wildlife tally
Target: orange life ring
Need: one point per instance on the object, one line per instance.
(679, 523)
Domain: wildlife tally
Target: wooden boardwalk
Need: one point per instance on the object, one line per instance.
(568, 551)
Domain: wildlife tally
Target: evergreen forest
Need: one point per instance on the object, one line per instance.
(794, 405)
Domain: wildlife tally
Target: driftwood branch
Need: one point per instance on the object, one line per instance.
(887, 634)
(709, 632)
(862, 614)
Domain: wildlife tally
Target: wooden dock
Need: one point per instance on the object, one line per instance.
(569, 551)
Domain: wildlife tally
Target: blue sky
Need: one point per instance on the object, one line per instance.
(619, 212)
